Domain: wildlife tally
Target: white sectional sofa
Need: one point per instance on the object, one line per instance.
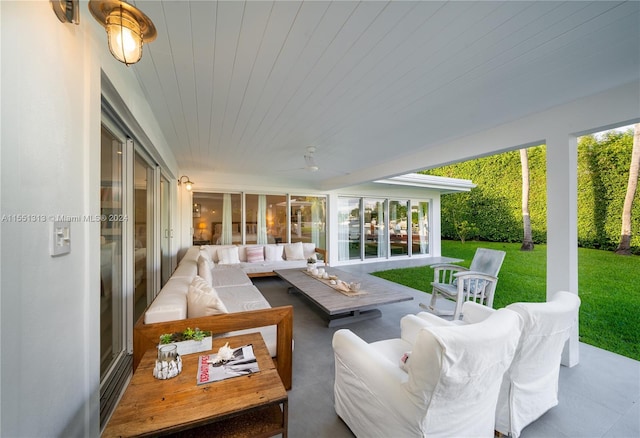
(261, 260)
(227, 269)
(231, 284)
(229, 277)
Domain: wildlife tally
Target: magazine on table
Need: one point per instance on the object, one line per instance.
(212, 369)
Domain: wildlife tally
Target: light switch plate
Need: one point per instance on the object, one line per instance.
(60, 238)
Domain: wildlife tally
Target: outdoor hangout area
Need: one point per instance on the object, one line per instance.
(346, 367)
(320, 218)
(591, 403)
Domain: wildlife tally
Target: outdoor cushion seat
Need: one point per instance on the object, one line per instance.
(450, 386)
(530, 385)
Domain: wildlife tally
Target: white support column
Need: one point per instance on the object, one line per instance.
(562, 226)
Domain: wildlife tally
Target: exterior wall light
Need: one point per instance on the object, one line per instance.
(67, 11)
(127, 28)
(188, 184)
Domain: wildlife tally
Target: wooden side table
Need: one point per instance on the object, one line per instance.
(255, 405)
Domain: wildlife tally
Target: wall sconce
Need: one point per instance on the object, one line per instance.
(127, 28)
(187, 184)
(67, 11)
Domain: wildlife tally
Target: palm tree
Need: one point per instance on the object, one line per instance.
(625, 235)
(527, 241)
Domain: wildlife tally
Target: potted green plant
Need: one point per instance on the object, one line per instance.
(188, 341)
(311, 263)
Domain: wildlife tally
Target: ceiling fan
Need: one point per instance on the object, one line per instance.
(311, 165)
(310, 160)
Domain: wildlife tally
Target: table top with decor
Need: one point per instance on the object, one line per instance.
(345, 306)
(247, 405)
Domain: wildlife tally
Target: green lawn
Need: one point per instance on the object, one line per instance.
(609, 287)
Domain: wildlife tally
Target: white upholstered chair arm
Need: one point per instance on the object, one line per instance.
(433, 320)
(410, 325)
(384, 379)
(473, 313)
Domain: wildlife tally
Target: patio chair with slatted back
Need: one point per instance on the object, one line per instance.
(459, 284)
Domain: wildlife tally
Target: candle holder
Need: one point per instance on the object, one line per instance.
(168, 363)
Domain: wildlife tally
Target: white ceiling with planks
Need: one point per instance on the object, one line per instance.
(246, 87)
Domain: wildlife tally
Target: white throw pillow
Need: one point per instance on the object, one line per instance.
(214, 251)
(242, 253)
(204, 269)
(228, 256)
(200, 283)
(255, 254)
(201, 303)
(309, 250)
(204, 252)
(294, 251)
(273, 253)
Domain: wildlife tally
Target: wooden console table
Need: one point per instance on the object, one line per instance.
(254, 405)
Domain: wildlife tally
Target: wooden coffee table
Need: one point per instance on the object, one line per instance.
(342, 309)
(254, 405)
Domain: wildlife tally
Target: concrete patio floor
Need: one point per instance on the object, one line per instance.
(600, 397)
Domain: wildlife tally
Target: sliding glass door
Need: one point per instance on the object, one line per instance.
(266, 219)
(143, 176)
(349, 229)
(375, 235)
(308, 219)
(419, 227)
(112, 299)
(165, 231)
(115, 360)
(398, 231)
(135, 248)
(370, 228)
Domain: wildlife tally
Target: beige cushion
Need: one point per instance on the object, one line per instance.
(228, 255)
(255, 254)
(200, 284)
(204, 269)
(294, 251)
(242, 253)
(273, 253)
(213, 250)
(203, 300)
(204, 252)
(309, 250)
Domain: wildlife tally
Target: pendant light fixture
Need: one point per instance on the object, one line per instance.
(127, 28)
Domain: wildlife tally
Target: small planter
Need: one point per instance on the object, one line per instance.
(190, 347)
(311, 264)
(185, 341)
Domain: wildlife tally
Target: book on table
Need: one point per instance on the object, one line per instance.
(211, 369)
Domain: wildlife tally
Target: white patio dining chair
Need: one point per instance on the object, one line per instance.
(459, 284)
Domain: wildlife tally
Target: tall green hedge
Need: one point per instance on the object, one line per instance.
(492, 211)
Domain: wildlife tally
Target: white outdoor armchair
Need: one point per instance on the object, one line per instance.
(530, 385)
(457, 283)
(450, 386)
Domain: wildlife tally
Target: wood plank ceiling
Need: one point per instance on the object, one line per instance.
(245, 87)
